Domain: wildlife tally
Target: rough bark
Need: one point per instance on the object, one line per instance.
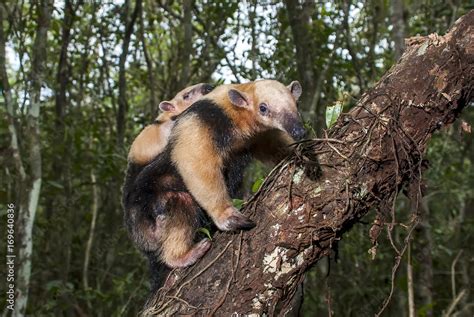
(368, 156)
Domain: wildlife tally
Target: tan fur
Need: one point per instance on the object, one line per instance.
(153, 139)
(197, 158)
(176, 243)
(199, 166)
(186, 256)
(177, 239)
(150, 142)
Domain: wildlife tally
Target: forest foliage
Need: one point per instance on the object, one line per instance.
(106, 67)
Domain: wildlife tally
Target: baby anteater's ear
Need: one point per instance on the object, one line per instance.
(167, 106)
(238, 98)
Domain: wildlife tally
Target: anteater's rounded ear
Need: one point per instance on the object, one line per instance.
(238, 98)
(295, 88)
(167, 106)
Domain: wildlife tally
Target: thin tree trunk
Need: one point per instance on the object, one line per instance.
(184, 58)
(370, 153)
(399, 28)
(411, 292)
(252, 12)
(423, 245)
(299, 16)
(62, 161)
(150, 70)
(9, 102)
(375, 20)
(90, 240)
(316, 111)
(62, 74)
(29, 201)
(346, 8)
(122, 99)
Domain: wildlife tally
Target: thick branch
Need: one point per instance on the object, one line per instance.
(373, 151)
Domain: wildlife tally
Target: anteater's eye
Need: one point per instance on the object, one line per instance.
(186, 96)
(207, 88)
(263, 108)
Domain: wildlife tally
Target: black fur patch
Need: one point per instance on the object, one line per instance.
(234, 172)
(214, 117)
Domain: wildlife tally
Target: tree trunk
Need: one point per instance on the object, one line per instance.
(398, 32)
(355, 61)
(62, 161)
(299, 17)
(423, 247)
(153, 105)
(122, 99)
(252, 13)
(410, 287)
(90, 240)
(370, 154)
(32, 183)
(184, 57)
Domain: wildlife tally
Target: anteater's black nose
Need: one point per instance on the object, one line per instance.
(298, 133)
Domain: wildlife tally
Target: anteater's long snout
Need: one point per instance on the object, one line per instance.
(294, 127)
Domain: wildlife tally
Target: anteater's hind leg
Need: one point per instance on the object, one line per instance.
(177, 253)
(179, 248)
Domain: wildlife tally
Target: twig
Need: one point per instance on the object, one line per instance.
(453, 273)
(181, 300)
(454, 303)
(337, 151)
(396, 266)
(320, 140)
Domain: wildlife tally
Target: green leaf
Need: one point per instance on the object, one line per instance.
(206, 232)
(332, 113)
(237, 203)
(256, 186)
